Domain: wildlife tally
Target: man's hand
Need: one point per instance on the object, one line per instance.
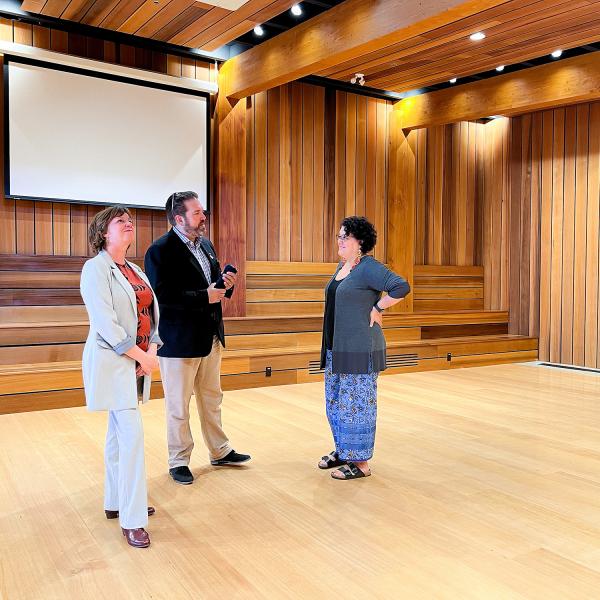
(229, 279)
(215, 294)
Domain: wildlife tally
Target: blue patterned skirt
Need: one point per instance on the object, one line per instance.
(351, 405)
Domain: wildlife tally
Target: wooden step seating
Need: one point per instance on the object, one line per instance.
(447, 288)
(42, 334)
(269, 351)
(279, 288)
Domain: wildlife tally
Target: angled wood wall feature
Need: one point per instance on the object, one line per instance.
(554, 208)
(313, 157)
(55, 228)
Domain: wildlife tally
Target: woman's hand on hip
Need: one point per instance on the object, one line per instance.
(376, 317)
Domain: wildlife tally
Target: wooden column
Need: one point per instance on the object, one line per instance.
(230, 196)
(401, 206)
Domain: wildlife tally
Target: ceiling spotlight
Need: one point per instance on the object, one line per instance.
(453, 80)
(358, 78)
(476, 37)
(556, 54)
(258, 30)
(296, 10)
(500, 68)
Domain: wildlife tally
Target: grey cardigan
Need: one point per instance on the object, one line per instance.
(356, 345)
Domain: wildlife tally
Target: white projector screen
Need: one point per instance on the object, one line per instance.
(84, 138)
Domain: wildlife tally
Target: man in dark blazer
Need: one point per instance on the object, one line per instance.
(182, 267)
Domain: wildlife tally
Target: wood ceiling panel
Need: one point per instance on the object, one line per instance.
(180, 22)
(516, 30)
(236, 31)
(183, 22)
(428, 45)
(516, 46)
(98, 12)
(120, 13)
(162, 18)
(54, 8)
(142, 15)
(255, 11)
(76, 9)
(35, 6)
(191, 31)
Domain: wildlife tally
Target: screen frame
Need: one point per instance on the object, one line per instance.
(8, 58)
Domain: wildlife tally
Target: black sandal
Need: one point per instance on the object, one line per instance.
(331, 460)
(350, 471)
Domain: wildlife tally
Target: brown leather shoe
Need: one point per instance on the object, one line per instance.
(114, 514)
(138, 538)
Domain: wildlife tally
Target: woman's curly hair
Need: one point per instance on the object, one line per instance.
(99, 226)
(362, 230)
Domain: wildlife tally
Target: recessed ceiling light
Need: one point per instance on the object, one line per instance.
(258, 30)
(500, 68)
(453, 80)
(476, 37)
(296, 10)
(556, 54)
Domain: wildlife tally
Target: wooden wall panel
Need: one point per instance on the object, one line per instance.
(449, 174)
(555, 204)
(53, 228)
(316, 156)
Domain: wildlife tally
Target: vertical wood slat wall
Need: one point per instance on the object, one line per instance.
(555, 206)
(54, 228)
(495, 214)
(449, 194)
(313, 156)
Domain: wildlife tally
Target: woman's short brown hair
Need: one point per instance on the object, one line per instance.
(99, 226)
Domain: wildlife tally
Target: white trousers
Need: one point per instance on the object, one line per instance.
(125, 470)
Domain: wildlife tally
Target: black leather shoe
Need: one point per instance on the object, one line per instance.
(233, 458)
(181, 475)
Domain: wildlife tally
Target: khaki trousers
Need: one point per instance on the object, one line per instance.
(181, 377)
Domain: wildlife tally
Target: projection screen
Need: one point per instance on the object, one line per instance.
(76, 136)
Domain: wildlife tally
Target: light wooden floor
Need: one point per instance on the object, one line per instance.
(486, 485)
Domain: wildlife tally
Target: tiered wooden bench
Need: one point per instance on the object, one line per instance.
(40, 346)
(35, 374)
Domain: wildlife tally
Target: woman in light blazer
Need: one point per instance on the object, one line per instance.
(118, 359)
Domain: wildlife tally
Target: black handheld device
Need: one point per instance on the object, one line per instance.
(220, 283)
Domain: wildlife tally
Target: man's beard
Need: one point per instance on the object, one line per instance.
(194, 231)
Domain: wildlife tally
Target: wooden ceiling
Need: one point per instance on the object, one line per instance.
(183, 22)
(516, 31)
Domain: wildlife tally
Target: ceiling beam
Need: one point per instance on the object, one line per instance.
(347, 31)
(561, 83)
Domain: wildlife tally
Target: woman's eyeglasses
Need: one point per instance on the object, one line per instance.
(343, 238)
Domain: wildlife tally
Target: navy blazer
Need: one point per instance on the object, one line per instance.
(187, 321)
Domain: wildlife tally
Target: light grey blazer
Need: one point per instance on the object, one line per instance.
(108, 373)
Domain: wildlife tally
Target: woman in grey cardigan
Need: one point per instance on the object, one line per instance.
(118, 359)
(353, 348)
